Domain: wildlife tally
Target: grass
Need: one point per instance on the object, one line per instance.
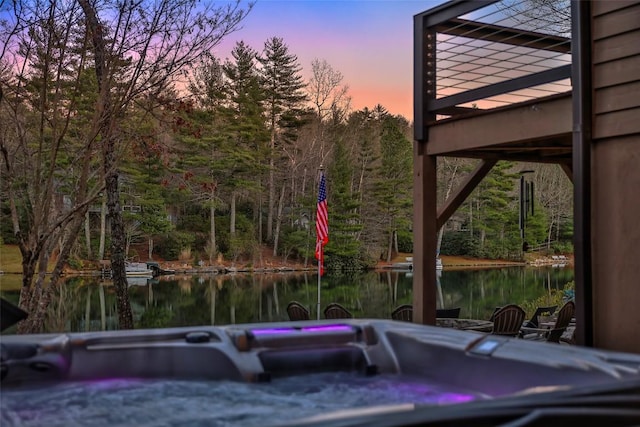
(10, 262)
(10, 259)
(453, 262)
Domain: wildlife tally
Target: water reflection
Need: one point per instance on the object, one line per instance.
(87, 304)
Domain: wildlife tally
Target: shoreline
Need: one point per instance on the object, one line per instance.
(270, 264)
(448, 263)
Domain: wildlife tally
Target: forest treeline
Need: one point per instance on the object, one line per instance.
(118, 124)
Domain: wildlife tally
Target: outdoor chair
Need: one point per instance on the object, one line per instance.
(448, 313)
(508, 320)
(540, 311)
(403, 312)
(553, 334)
(495, 310)
(336, 311)
(297, 311)
(571, 339)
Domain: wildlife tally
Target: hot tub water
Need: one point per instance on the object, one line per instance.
(213, 403)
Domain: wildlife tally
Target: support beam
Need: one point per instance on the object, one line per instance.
(451, 9)
(419, 82)
(455, 200)
(424, 236)
(568, 170)
(497, 154)
(582, 133)
(540, 120)
(507, 35)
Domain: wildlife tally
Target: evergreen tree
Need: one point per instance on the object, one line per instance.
(206, 145)
(393, 190)
(208, 86)
(284, 97)
(343, 251)
(363, 131)
(496, 214)
(246, 147)
(145, 169)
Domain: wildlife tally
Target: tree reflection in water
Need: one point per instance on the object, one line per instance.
(88, 304)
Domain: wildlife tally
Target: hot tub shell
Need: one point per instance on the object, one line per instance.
(495, 366)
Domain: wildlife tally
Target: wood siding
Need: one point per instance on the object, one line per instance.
(616, 68)
(615, 172)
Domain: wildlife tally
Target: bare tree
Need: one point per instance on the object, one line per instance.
(331, 101)
(47, 163)
(547, 16)
(147, 46)
(555, 193)
(326, 90)
(134, 49)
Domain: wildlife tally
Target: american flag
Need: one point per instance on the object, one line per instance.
(322, 223)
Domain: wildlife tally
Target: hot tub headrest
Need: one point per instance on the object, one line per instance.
(301, 336)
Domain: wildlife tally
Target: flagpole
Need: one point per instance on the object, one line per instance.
(322, 232)
(319, 263)
(319, 276)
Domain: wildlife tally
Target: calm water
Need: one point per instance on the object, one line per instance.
(87, 304)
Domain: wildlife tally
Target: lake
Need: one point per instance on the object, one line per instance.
(88, 304)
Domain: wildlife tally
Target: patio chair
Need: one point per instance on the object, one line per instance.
(508, 320)
(493, 315)
(448, 313)
(297, 311)
(540, 311)
(336, 311)
(403, 312)
(570, 339)
(554, 334)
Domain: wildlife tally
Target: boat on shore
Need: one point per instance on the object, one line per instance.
(138, 269)
(147, 270)
(132, 269)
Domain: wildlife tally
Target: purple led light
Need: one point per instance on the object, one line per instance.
(456, 398)
(273, 331)
(328, 328)
(430, 394)
(284, 331)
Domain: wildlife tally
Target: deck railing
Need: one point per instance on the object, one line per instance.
(479, 55)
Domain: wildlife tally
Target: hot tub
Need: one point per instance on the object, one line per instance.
(351, 372)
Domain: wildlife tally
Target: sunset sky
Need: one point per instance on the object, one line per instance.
(369, 41)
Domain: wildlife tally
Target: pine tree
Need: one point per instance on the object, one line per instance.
(496, 213)
(284, 97)
(363, 131)
(244, 160)
(205, 144)
(393, 190)
(145, 167)
(343, 251)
